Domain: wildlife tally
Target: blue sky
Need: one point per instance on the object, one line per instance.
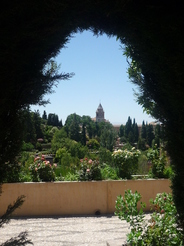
(100, 77)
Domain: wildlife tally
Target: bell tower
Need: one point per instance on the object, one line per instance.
(100, 113)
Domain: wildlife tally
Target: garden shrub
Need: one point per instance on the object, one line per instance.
(13, 172)
(71, 177)
(89, 170)
(126, 161)
(105, 156)
(26, 158)
(60, 140)
(158, 160)
(93, 144)
(25, 177)
(38, 146)
(27, 146)
(143, 167)
(92, 155)
(161, 229)
(77, 150)
(66, 160)
(19, 170)
(42, 170)
(168, 172)
(61, 172)
(127, 146)
(108, 172)
(59, 177)
(60, 153)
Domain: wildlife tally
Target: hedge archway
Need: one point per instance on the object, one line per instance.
(33, 32)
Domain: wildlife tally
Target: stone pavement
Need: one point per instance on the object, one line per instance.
(69, 231)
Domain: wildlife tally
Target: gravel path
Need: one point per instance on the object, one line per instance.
(68, 231)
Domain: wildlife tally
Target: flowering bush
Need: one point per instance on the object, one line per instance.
(126, 161)
(126, 209)
(89, 170)
(161, 229)
(42, 170)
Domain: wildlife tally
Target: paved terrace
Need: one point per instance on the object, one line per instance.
(69, 231)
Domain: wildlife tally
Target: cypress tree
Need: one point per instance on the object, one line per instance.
(149, 134)
(37, 124)
(74, 129)
(83, 135)
(29, 127)
(158, 135)
(136, 133)
(121, 131)
(143, 130)
(128, 127)
(44, 116)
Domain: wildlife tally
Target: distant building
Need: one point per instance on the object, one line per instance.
(100, 114)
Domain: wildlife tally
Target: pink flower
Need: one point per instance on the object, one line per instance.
(36, 169)
(88, 170)
(81, 160)
(162, 211)
(90, 161)
(50, 165)
(37, 158)
(86, 159)
(38, 164)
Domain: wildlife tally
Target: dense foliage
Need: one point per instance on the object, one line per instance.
(144, 136)
(42, 170)
(126, 161)
(42, 137)
(89, 170)
(160, 229)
